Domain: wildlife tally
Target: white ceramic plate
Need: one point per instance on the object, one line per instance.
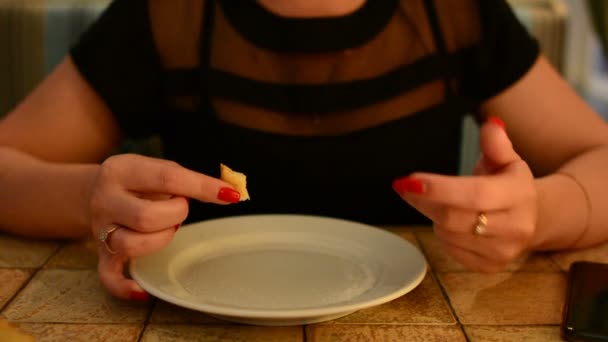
(280, 269)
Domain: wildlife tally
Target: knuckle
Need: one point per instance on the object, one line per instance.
(449, 217)
(128, 247)
(96, 204)
(128, 250)
(507, 254)
(525, 233)
(114, 164)
(170, 163)
(492, 267)
(114, 160)
(162, 241)
(110, 167)
(183, 214)
(167, 179)
(480, 195)
(142, 218)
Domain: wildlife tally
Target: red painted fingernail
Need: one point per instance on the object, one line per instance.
(228, 195)
(141, 296)
(176, 227)
(497, 121)
(408, 184)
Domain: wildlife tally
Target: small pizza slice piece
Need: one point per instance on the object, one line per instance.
(236, 179)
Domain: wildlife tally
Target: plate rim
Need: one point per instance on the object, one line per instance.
(284, 314)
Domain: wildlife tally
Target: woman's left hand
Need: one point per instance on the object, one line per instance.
(486, 220)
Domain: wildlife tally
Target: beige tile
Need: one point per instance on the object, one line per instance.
(410, 236)
(71, 296)
(24, 253)
(506, 298)
(11, 280)
(396, 333)
(77, 254)
(237, 333)
(407, 235)
(408, 229)
(441, 261)
(596, 254)
(168, 313)
(424, 305)
(513, 333)
(82, 332)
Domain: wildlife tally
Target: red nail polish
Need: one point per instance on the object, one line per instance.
(408, 184)
(229, 195)
(141, 296)
(497, 121)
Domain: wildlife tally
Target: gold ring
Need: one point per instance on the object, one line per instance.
(104, 235)
(482, 224)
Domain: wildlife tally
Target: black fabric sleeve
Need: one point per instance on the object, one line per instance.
(506, 52)
(118, 57)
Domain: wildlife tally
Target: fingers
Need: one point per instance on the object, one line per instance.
(480, 193)
(143, 214)
(489, 248)
(502, 188)
(512, 225)
(128, 244)
(499, 175)
(143, 174)
(472, 260)
(131, 244)
(495, 144)
(110, 269)
(149, 196)
(459, 220)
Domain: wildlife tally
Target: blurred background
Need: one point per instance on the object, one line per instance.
(36, 34)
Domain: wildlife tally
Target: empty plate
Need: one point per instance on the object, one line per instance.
(280, 269)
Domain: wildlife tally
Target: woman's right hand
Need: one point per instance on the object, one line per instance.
(147, 199)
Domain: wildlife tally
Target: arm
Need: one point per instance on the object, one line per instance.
(47, 145)
(52, 188)
(534, 183)
(556, 131)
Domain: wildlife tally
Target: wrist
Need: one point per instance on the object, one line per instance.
(563, 212)
(74, 185)
(88, 176)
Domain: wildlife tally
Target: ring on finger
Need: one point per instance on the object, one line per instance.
(104, 235)
(482, 224)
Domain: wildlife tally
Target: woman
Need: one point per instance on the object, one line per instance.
(324, 105)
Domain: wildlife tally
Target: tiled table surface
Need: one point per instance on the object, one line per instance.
(51, 290)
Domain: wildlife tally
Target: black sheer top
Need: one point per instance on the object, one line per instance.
(320, 113)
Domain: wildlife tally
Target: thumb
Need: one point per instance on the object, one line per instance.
(495, 145)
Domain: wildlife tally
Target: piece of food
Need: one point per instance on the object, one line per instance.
(236, 179)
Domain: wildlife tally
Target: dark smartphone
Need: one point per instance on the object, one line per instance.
(586, 309)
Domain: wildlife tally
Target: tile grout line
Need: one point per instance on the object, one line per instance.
(146, 322)
(12, 298)
(36, 270)
(452, 309)
(434, 272)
